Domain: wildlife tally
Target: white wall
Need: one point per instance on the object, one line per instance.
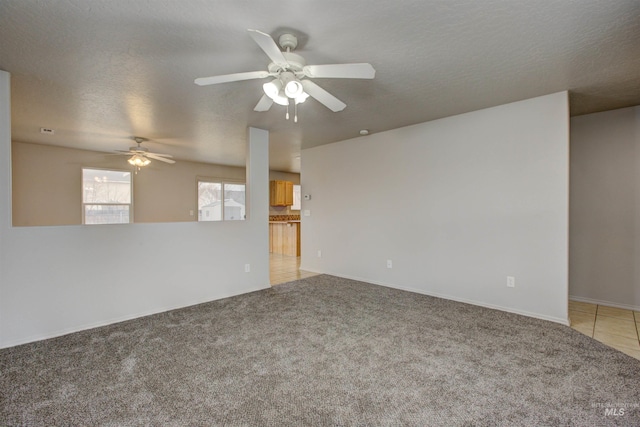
(55, 280)
(605, 208)
(457, 204)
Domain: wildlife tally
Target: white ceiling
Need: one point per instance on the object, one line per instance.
(99, 72)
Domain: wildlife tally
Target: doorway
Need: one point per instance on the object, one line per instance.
(285, 268)
(285, 229)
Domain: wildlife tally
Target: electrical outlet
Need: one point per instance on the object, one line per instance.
(247, 268)
(389, 263)
(511, 282)
(319, 254)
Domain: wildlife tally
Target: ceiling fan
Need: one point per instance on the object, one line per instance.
(291, 75)
(140, 155)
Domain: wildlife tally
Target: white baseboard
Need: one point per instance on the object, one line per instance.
(603, 302)
(451, 297)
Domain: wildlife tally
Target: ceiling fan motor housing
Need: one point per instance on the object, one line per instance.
(295, 64)
(139, 149)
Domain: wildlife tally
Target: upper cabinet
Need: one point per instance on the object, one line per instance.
(281, 193)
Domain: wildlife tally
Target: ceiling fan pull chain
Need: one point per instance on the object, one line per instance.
(295, 113)
(287, 115)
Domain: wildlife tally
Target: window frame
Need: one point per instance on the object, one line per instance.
(83, 204)
(222, 182)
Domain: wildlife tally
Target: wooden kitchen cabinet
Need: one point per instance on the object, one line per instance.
(288, 193)
(281, 193)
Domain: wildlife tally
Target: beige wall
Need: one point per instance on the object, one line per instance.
(47, 185)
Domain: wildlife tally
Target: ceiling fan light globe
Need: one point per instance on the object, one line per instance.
(281, 99)
(302, 97)
(293, 89)
(272, 88)
(138, 160)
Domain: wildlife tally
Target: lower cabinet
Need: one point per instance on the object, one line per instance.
(284, 238)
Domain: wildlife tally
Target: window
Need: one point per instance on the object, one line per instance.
(219, 200)
(106, 196)
(296, 198)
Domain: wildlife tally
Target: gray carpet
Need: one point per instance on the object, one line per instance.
(322, 351)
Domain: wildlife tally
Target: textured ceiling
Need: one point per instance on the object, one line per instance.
(99, 72)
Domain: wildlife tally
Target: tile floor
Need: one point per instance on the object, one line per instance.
(283, 268)
(615, 327)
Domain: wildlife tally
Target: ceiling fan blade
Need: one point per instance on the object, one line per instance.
(322, 96)
(124, 153)
(264, 104)
(161, 155)
(269, 46)
(162, 159)
(340, 71)
(226, 78)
